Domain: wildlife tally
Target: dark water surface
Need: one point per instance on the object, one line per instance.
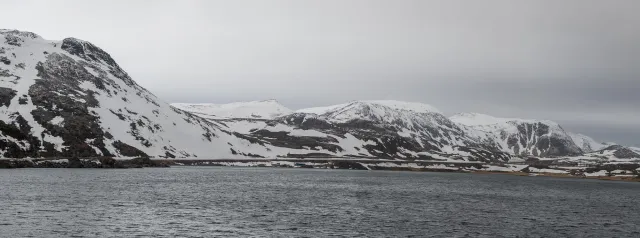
(225, 201)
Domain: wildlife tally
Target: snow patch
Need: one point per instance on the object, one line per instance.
(268, 109)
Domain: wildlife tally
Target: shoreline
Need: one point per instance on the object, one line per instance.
(524, 174)
(332, 163)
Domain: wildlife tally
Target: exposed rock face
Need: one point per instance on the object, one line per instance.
(626, 153)
(519, 136)
(619, 152)
(6, 94)
(538, 139)
(58, 95)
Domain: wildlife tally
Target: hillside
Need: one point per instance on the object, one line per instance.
(520, 136)
(70, 98)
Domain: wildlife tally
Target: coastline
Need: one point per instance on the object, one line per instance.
(607, 178)
(93, 163)
(610, 174)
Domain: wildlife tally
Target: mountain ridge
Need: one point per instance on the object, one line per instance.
(265, 109)
(69, 98)
(365, 110)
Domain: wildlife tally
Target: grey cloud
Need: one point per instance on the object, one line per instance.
(573, 61)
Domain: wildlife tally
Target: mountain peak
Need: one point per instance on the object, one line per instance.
(24, 34)
(586, 143)
(391, 104)
(402, 105)
(16, 38)
(475, 119)
(87, 51)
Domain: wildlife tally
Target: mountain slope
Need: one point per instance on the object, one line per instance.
(70, 98)
(519, 136)
(372, 129)
(587, 144)
(615, 153)
(268, 109)
(420, 121)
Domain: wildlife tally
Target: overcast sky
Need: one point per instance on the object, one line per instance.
(576, 62)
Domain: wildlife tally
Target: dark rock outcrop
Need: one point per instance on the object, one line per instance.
(6, 94)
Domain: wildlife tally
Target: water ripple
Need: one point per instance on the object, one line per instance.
(261, 202)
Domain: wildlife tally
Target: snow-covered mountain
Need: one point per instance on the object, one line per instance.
(610, 154)
(617, 152)
(421, 122)
(586, 143)
(382, 110)
(268, 109)
(519, 136)
(374, 129)
(70, 98)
